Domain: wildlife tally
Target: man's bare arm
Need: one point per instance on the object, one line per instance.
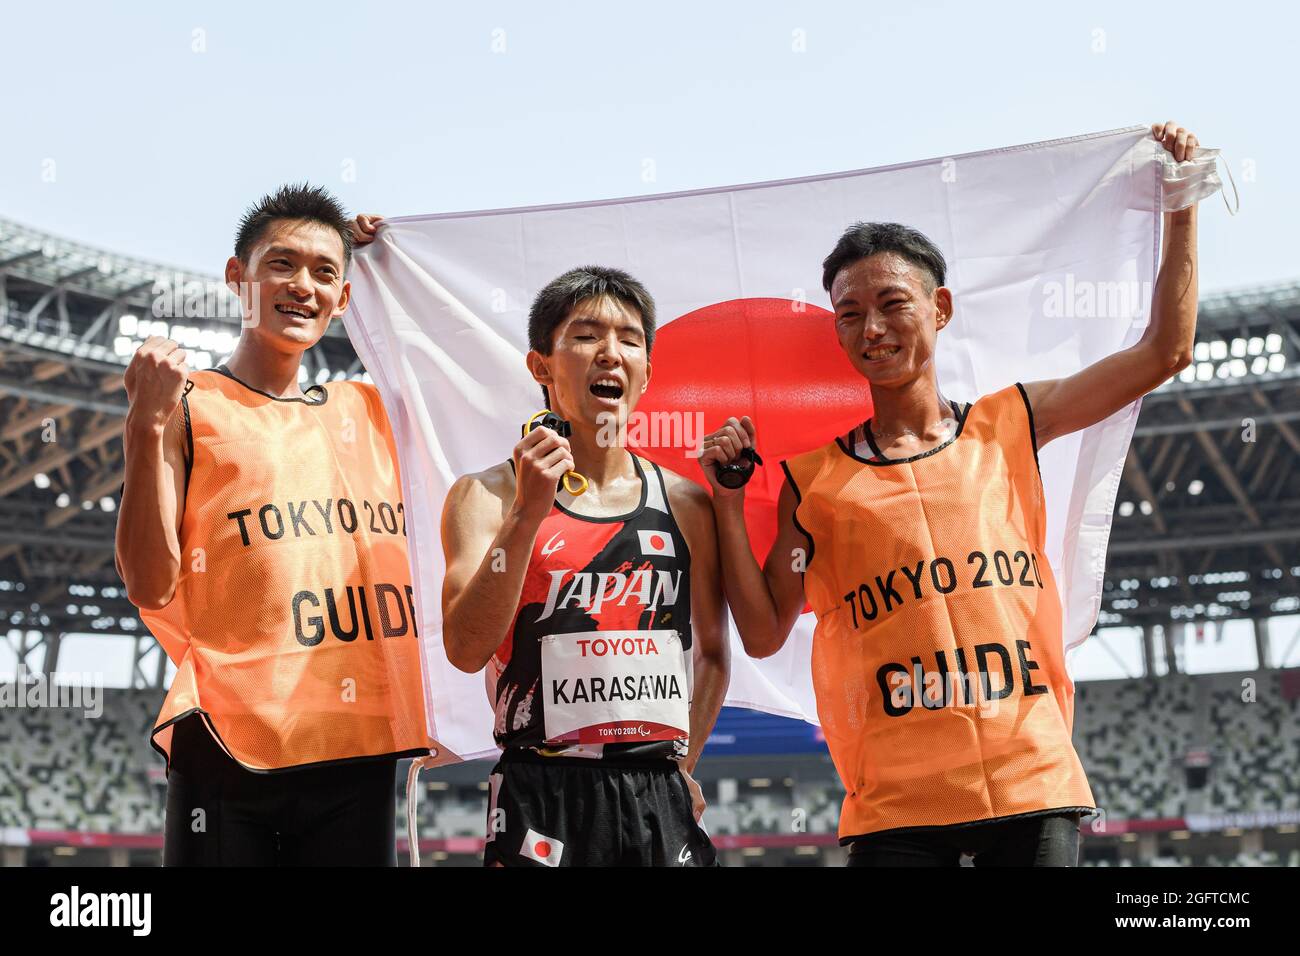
(1066, 405)
(487, 553)
(710, 650)
(147, 546)
(765, 602)
(489, 527)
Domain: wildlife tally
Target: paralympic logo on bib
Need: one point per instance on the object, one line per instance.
(640, 730)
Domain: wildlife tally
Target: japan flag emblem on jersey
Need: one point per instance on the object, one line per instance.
(657, 542)
(545, 850)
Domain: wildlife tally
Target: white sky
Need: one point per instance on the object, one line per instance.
(158, 146)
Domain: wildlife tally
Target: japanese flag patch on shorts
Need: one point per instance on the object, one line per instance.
(545, 850)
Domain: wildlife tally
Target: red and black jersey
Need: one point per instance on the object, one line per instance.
(629, 572)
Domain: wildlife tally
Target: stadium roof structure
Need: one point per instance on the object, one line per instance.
(1207, 524)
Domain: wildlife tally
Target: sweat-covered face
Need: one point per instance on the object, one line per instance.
(598, 363)
(886, 319)
(295, 274)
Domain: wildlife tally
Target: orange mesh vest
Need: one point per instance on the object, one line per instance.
(293, 623)
(937, 661)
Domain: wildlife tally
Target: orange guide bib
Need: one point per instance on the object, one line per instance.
(293, 625)
(937, 661)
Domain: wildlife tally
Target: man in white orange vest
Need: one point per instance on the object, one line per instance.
(262, 534)
(918, 541)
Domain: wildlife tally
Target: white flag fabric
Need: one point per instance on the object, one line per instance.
(1052, 251)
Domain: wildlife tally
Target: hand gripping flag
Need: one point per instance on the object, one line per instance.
(1053, 250)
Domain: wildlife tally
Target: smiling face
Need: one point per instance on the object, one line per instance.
(888, 318)
(296, 271)
(598, 362)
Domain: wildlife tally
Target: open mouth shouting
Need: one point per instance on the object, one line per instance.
(295, 311)
(608, 390)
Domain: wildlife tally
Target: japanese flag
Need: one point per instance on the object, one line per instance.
(439, 316)
(657, 542)
(545, 850)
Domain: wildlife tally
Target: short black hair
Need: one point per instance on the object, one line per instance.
(863, 239)
(294, 201)
(563, 294)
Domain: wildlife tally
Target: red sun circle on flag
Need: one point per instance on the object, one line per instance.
(777, 361)
(542, 849)
(657, 542)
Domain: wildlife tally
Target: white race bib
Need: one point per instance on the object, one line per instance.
(609, 687)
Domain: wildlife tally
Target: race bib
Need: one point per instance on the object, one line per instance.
(605, 687)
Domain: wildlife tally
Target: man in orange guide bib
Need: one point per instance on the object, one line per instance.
(262, 535)
(598, 617)
(937, 656)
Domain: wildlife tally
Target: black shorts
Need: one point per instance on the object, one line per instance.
(571, 811)
(220, 814)
(1042, 840)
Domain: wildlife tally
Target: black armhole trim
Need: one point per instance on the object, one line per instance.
(794, 516)
(1033, 432)
(189, 444)
(668, 506)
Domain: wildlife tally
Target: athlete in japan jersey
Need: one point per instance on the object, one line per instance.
(622, 573)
